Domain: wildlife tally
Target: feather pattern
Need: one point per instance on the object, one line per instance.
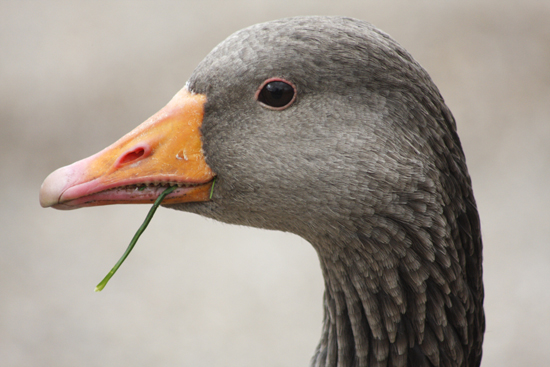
(367, 166)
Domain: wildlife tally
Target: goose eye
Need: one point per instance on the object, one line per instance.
(276, 94)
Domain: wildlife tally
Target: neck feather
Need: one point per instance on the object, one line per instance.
(398, 300)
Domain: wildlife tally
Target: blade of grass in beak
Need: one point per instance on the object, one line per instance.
(141, 229)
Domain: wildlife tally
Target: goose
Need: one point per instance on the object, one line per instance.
(327, 128)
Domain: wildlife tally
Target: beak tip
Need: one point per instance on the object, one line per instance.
(53, 187)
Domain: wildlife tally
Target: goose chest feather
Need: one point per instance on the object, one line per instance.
(327, 128)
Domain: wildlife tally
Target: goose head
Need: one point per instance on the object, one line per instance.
(327, 128)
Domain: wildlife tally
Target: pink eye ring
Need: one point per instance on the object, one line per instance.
(276, 94)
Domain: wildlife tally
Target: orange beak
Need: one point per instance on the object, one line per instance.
(165, 150)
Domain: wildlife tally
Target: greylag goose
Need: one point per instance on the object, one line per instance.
(327, 128)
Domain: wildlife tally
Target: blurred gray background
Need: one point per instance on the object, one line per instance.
(77, 75)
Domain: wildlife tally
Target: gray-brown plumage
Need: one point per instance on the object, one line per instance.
(327, 128)
(367, 166)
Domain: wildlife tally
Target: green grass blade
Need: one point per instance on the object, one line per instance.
(141, 229)
(212, 188)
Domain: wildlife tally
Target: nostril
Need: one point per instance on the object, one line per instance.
(132, 156)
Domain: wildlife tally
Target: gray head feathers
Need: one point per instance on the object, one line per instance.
(365, 164)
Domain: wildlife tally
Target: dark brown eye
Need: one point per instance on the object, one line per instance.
(276, 94)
